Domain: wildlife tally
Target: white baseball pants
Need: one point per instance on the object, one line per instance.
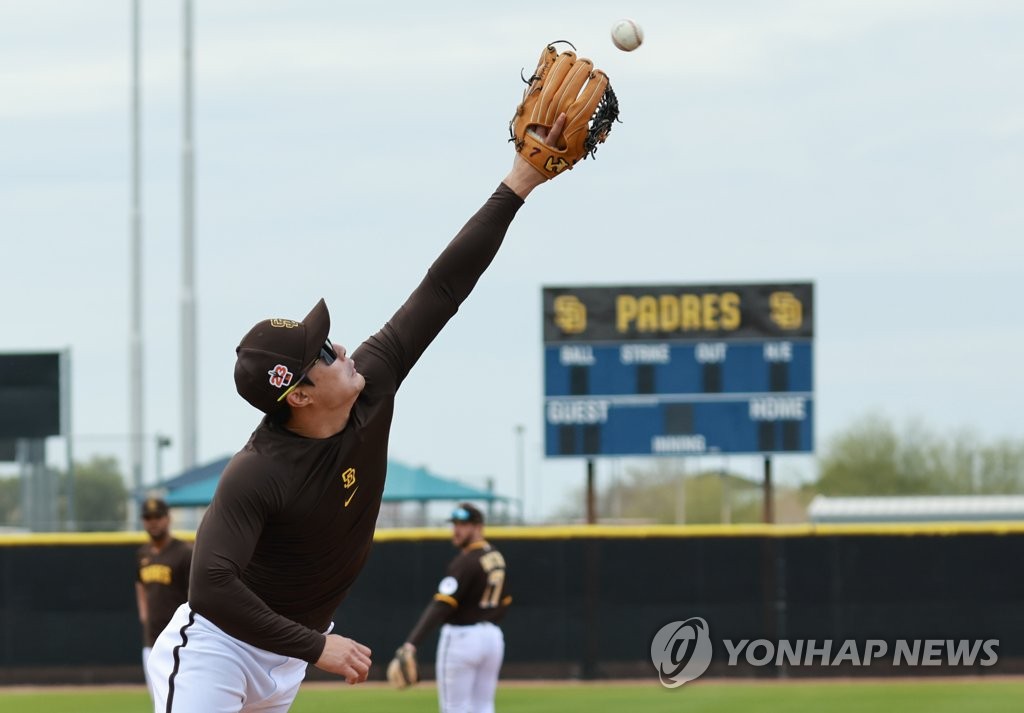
(194, 666)
(468, 661)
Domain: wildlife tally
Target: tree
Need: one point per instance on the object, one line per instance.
(999, 467)
(661, 491)
(872, 458)
(869, 457)
(100, 495)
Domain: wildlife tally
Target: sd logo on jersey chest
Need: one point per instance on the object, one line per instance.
(348, 479)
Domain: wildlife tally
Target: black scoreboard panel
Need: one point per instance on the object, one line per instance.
(678, 369)
(29, 395)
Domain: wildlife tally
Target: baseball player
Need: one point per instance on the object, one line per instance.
(471, 599)
(291, 524)
(161, 584)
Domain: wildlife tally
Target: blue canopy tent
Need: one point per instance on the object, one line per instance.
(195, 487)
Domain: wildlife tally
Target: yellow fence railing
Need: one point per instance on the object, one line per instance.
(565, 532)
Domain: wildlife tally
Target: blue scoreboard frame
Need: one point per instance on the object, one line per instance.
(678, 370)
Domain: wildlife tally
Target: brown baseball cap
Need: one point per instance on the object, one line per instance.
(275, 354)
(154, 507)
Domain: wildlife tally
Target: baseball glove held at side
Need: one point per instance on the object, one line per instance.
(402, 670)
(561, 83)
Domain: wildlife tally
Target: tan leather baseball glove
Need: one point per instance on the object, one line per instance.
(403, 670)
(566, 83)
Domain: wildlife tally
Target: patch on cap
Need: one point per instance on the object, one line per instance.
(280, 376)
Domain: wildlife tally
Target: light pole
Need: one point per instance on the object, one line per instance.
(135, 399)
(189, 369)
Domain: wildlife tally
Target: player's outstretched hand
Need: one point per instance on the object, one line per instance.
(345, 657)
(523, 177)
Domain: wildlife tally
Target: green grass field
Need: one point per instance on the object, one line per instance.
(940, 696)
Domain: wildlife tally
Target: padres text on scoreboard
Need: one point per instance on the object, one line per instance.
(678, 370)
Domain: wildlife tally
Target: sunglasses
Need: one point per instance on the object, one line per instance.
(327, 355)
(460, 515)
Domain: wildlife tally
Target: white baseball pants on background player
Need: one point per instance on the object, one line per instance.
(194, 666)
(145, 669)
(468, 661)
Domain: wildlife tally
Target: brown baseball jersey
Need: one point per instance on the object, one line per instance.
(291, 523)
(164, 578)
(474, 589)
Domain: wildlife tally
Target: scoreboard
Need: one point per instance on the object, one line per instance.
(30, 395)
(678, 370)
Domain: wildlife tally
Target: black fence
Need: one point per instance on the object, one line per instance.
(587, 603)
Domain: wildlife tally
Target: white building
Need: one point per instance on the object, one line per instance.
(917, 508)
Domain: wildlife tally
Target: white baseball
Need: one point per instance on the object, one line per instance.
(627, 35)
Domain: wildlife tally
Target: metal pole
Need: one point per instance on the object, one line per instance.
(135, 413)
(161, 443)
(591, 495)
(490, 499)
(23, 456)
(681, 495)
(189, 367)
(769, 504)
(520, 473)
(723, 475)
(65, 421)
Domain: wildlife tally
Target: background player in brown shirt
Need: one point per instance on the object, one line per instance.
(470, 601)
(161, 583)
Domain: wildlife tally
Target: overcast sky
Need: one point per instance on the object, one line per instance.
(874, 147)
